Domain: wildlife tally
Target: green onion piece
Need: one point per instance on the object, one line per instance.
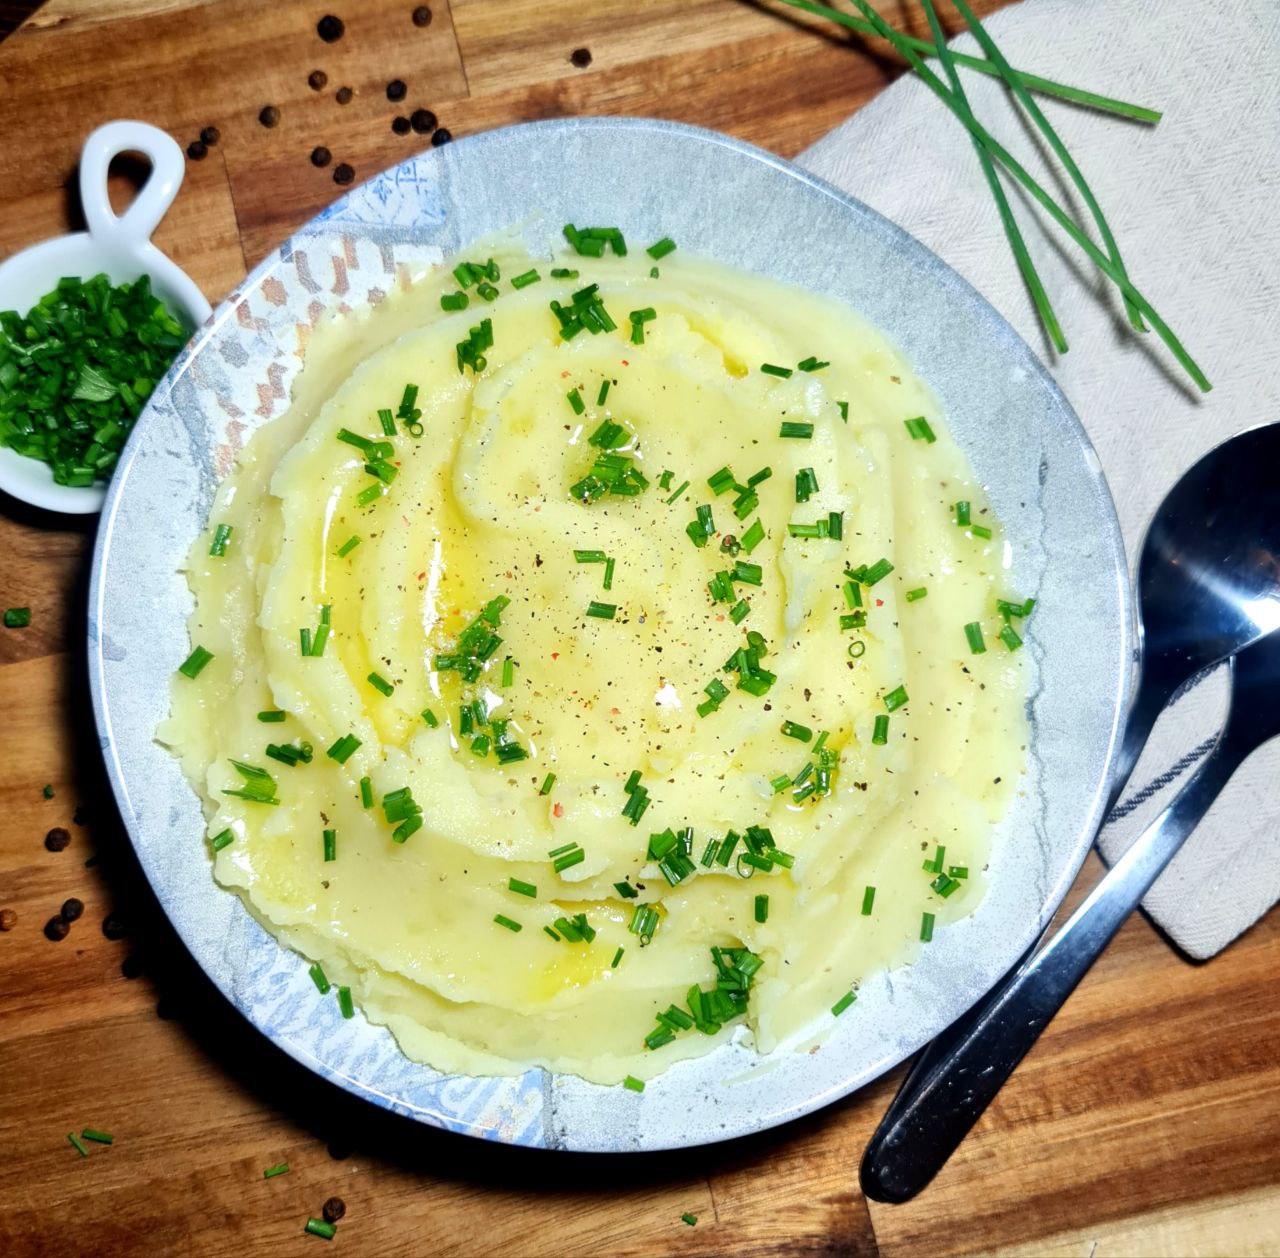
(98, 1137)
(762, 908)
(576, 402)
(748, 573)
(844, 410)
(926, 927)
(608, 574)
(330, 845)
(868, 901)
(690, 1219)
(348, 546)
(304, 641)
(342, 749)
(625, 890)
(589, 556)
(563, 273)
(280, 1168)
(272, 716)
(959, 871)
(194, 663)
(221, 536)
(47, 792)
(506, 922)
(660, 248)
(980, 530)
(522, 888)
(753, 536)
(224, 839)
(388, 422)
(791, 428)
(919, 429)
(632, 1084)
(913, 596)
(877, 572)
(430, 717)
(806, 484)
(1009, 636)
(720, 481)
(525, 279)
(366, 792)
(602, 611)
(973, 633)
(896, 698)
(318, 978)
(381, 684)
(740, 611)
(880, 734)
(835, 525)
(568, 860)
(454, 301)
(963, 512)
(17, 617)
(366, 496)
(843, 1003)
(811, 364)
(802, 733)
(547, 783)
(318, 1227)
(676, 494)
(345, 1004)
(75, 1144)
(772, 369)
(613, 965)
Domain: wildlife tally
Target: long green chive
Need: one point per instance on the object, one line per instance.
(613, 965)
(793, 428)
(547, 783)
(919, 428)
(843, 1003)
(896, 698)
(98, 1137)
(318, 978)
(506, 922)
(602, 611)
(74, 1141)
(575, 856)
(926, 927)
(345, 1004)
(604, 392)
(330, 845)
(772, 369)
(973, 633)
(868, 901)
(224, 839)
(195, 662)
(880, 734)
(366, 792)
(318, 1227)
(1009, 636)
(913, 596)
(762, 909)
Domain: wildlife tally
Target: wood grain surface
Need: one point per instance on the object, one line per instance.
(1146, 1121)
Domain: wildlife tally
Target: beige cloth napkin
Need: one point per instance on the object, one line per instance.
(1195, 205)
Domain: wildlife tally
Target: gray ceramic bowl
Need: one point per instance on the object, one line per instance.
(731, 202)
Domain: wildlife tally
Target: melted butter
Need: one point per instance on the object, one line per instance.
(481, 507)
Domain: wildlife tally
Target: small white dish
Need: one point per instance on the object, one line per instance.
(120, 246)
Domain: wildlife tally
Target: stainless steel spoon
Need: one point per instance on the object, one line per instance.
(1208, 586)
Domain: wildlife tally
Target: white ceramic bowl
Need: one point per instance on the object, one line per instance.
(120, 246)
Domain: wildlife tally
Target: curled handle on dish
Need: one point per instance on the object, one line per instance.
(133, 228)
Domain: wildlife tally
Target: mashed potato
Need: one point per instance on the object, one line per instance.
(487, 650)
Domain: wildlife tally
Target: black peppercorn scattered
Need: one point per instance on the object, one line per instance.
(396, 89)
(320, 156)
(8, 919)
(197, 151)
(57, 839)
(581, 57)
(422, 121)
(334, 1209)
(210, 136)
(400, 126)
(343, 95)
(72, 909)
(422, 16)
(316, 80)
(269, 116)
(131, 967)
(330, 28)
(343, 173)
(56, 929)
(443, 136)
(113, 926)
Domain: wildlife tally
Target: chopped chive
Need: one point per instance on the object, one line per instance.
(319, 1227)
(980, 530)
(868, 901)
(677, 493)
(318, 978)
(345, 1003)
(17, 617)
(1009, 636)
(762, 908)
(563, 273)
(720, 481)
(568, 860)
(843, 1003)
(362, 444)
(608, 574)
(98, 1137)
(219, 841)
(625, 890)
(525, 279)
(792, 428)
(632, 1084)
(963, 513)
(753, 536)
(342, 749)
(973, 633)
(602, 611)
(280, 1168)
(919, 430)
(221, 536)
(548, 929)
(772, 369)
(331, 845)
(506, 922)
(926, 927)
(388, 422)
(896, 698)
(547, 783)
(835, 525)
(430, 717)
(959, 871)
(844, 410)
(801, 733)
(690, 1219)
(75, 1144)
(271, 716)
(348, 546)
(576, 402)
(304, 641)
(915, 595)
(880, 734)
(589, 556)
(454, 301)
(380, 683)
(748, 573)
(811, 364)
(660, 248)
(806, 484)
(522, 888)
(366, 792)
(740, 611)
(366, 496)
(195, 662)
(877, 572)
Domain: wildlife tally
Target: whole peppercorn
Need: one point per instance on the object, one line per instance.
(320, 156)
(343, 95)
(422, 121)
(396, 90)
(443, 136)
(72, 909)
(57, 839)
(8, 919)
(581, 57)
(422, 16)
(400, 126)
(113, 926)
(316, 80)
(334, 1209)
(197, 151)
(269, 116)
(210, 136)
(56, 929)
(330, 28)
(343, 173)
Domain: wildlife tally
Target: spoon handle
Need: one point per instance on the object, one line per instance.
(927, 1121)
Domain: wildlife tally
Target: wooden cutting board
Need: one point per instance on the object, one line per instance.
(1147, 1120)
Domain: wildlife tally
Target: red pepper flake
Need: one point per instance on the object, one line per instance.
(879, 602)
(625, 363)
(422, 576)
(558, 810)
(555, 655)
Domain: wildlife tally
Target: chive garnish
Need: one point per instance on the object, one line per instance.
(345, 1003)
(506, 922)
(348, 546)
(843, 1003)
(221, 840)
(454, 301)
(366, 496)
(973, 633)
(880, 734)
(868, 901)
(319, 1227)
(896, 698)
(547, 783)
(660, 248)
(690, 1219)
(632, 1084)
(330, 845)
(342, 749)
(366, 792)
(963, 512)
(318, 978)
(602, 611)
(980, 530)
(563, 273)
(576, 402)
(98, 1137)
(280, 1168)
(913, 596)
(17, 617)
(753, 536)
(221, 536)
(525, 279)
(194, 663)
(919, 429)
(380, 683)
(271, 716)
(926, 927)
(802, 733)
(762, 908)
(772, 369)
(75, 1144)
(740, 611)
(625, 890)
(522, 888)
(792, 428)
(1009, 636)
(676, 494)
(806, 484)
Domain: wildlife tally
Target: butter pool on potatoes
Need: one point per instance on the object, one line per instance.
(481, 508)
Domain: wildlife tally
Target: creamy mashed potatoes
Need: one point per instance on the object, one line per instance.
(469, 684)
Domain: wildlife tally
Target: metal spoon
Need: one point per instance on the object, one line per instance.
(1209, 585)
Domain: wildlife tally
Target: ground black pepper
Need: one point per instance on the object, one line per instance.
(422, 16)
(400, 126)
(330, 28)
(343, 95)
(443, 136)
(343, 173)
(334, 1209)
(396, 89)
(210, 136)
(320, 156)
(422, 121)
(316, 80)
(113, 926)
(581, 57)
(269, 116)
(56, 929)
(72, 909)
(8, 919)
(197, 151)
(57, 839)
